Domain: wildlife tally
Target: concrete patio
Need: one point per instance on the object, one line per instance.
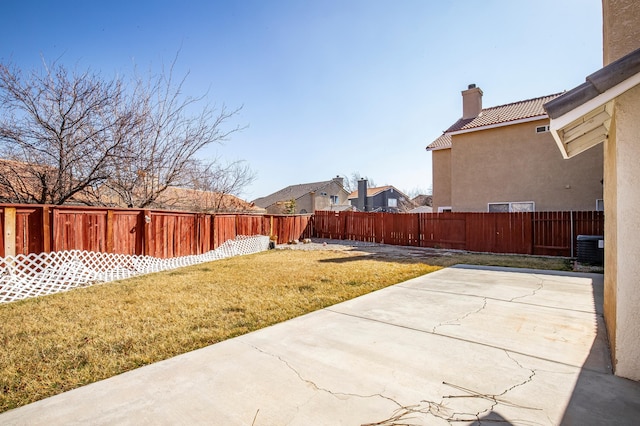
(464, 345)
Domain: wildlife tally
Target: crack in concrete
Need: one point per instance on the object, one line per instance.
(316, 386)
(533, 293)
(441, 411)
(495, 399)
(457, 320)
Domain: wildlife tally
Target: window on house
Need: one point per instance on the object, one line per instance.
(444, 209)
(519, 206)
(599, 205)
(334, 199)
(392, 202)
(498, 207)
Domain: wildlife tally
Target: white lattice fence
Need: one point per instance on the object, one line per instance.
(35, 275)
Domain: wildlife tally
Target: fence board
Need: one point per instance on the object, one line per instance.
(2, 233)
(250, 225)
(443, 230)
(224, 228)
(329, 224)
(79, 230)
(127, 232)
(499, 232)
(173, 234)
(541, 233)
(170, 234)
(28, 230)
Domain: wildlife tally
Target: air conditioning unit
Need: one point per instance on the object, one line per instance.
(591, 249)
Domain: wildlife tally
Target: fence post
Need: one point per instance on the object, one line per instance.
(9, 231)
(46, 229)
(109, 239)
(146, 220)
(572, 231)
(533, 233)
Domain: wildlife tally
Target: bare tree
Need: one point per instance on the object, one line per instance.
(171, 130)
(215, 181)
(79, 137)
(59, 131)
(351, 182)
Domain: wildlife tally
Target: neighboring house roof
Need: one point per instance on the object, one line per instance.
(204, 201)
(422, 209)
(580, 118)
(17, 181)
(292, 192)
(422, 200)
(371, 192)
(501, 115)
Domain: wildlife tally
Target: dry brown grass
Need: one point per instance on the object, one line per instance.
(56, 343)
(512, 261)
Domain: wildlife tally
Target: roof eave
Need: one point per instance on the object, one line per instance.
(438, 148)
(586, 124)
(501, 124)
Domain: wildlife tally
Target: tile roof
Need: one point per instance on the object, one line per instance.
(444, 141)
(187, 199)
(372, 191)
(291, 192)
(501, 114)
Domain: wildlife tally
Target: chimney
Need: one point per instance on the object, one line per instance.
(312, 195)
(339, 180)
(362, 195)
(471, 102)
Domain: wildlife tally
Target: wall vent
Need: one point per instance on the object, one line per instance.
(542, 129)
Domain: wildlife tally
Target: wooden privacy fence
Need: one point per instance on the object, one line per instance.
(34, 228)
(538, 233)
(31, 228)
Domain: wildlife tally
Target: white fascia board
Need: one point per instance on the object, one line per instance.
(503, 124)
(592, 104)
(556, 137)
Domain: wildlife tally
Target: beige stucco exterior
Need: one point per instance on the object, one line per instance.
(321, 200)
(621, 28)
(621, 35)
(622, 233)
(315, 200)
(622, 226)
(441, 169)
(513, 163)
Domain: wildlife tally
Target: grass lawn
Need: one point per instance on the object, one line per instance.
(56, 343)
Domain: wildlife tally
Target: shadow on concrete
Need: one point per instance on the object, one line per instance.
(492, 418)
(599, 397)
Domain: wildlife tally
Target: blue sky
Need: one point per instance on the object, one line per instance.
(327, 87)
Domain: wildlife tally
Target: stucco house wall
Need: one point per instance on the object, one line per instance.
(605, 110)
(621, 36)
(515, 164)
(308, 197)
(321, 198)
(505, 154)
(441, 169)
(624, 284)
